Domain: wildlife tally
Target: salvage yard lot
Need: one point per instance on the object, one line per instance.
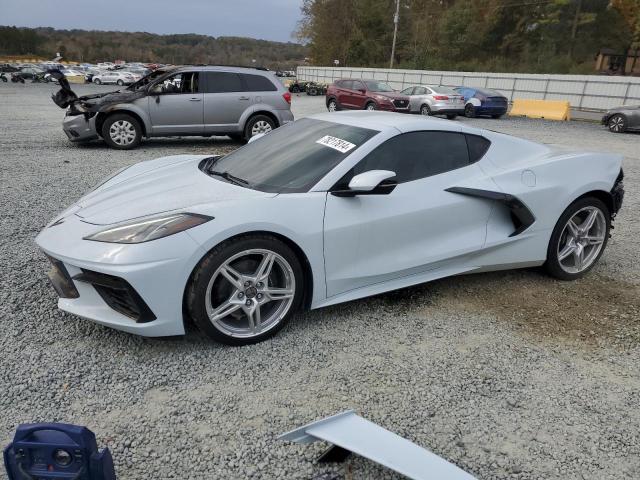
(509, 374)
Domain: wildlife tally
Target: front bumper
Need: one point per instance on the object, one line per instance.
(79, 128)
(135, 288)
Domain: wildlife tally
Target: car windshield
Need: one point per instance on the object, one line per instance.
(144, 81)
(292, 158)
(374, 86)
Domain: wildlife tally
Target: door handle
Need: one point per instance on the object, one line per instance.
(244, 98)
(195, 99)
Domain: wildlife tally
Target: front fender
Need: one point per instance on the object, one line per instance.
(128, 107)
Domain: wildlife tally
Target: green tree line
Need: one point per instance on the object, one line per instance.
(536, 36)
(100, 46)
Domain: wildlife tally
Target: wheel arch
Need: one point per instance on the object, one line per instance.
(603, 195)
(302, 258)
(261, 111)
(101, 117)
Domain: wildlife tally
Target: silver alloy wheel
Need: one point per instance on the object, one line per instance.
(261, 126)
(332, 106)
(252, 302)
(582, 239)
(424, 110)
(616, 124)
(122, 132)
(371, 106)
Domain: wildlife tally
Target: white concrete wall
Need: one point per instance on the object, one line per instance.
(589, 92)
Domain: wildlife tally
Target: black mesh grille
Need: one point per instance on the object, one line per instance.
(119, 295)
(400, 103)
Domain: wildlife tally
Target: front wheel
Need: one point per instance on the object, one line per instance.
(425, 110)
(469, 111)
(244, 291)
(120, 83)
(370, 106)
(578, 239)
(122, 131)
(97, 81)
(617, 124)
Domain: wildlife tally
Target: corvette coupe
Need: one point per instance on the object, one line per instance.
(328, 209)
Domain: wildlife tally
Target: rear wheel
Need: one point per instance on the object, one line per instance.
(578, 239)
(258, 124)
(245, 290)
(97, 81)
(617, 123)
(469, 111)
(120, 82)
(425, 110)
(122, 131)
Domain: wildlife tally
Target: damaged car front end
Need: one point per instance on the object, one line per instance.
(82, 118)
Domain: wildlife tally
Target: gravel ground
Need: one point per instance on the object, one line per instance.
(509, 375)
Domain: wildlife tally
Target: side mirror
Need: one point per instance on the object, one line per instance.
(373, 182)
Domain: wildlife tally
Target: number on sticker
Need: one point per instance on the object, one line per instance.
(336, 143)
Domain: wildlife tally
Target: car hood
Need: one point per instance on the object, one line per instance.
(156, 186)
(391, 95)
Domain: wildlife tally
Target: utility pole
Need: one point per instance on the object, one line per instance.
(396, 17)
(574, 28)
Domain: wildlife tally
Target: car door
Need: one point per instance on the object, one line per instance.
(345, 98)
(419, 226)
(224, 101)
(358, 94)
(418, 99)
(176, 105)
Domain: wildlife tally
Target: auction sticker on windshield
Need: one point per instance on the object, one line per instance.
(336, 143)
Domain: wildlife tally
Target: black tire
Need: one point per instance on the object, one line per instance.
(312, 91)
(196, 292)
(469, 111)
(552, 264)
(128, 145)
(425, 110)
(97, 81)
(496, 116)
(120, 83)
(253, 121)
(295, 89)
(335, 103)
(4, 79)
(452, 116)
(370, 106)
(617, 123)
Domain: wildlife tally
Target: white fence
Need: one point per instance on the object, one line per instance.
(586, 92)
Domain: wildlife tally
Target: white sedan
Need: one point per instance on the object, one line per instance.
(119, 78)
(328, 209)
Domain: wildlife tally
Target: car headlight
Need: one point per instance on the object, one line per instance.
(150, 228)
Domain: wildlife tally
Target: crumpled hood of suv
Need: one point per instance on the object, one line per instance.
(156, 186)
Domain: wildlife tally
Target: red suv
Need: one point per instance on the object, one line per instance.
(355, 94)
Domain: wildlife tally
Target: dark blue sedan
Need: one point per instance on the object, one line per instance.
(480, 101)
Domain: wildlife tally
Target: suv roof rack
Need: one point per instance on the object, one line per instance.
(221, 65)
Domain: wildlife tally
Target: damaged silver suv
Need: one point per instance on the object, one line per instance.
(180, 101)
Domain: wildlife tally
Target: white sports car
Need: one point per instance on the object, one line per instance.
(325, 210)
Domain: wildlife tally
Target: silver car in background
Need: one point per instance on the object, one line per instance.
(434, 100)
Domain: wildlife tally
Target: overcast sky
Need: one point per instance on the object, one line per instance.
(266, 19)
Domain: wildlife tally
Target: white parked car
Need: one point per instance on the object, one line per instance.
(117, 77)
(327, 209)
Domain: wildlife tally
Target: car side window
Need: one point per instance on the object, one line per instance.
(409, 90)
(257, 83)
(347, 84)
(477, 146)
(357, 85)
(417, 155)
(420, 91)
(180, 83)
(222, 82)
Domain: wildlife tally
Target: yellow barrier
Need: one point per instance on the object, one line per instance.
(547, 109)
(76, 79)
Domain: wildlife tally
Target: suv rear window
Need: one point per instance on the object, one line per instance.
(222, 82)
(258, 83)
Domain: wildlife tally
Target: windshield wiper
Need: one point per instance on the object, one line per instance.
(231, 178)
